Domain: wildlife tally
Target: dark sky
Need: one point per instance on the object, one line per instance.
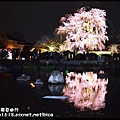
(37, 18)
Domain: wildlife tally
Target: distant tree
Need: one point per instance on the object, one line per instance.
(48, 43)
(114, 48)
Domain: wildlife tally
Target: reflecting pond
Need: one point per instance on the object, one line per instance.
(84, 93)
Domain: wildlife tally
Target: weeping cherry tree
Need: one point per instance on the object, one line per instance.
(85, 30)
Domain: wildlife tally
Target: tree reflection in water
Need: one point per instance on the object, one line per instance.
(86, 90)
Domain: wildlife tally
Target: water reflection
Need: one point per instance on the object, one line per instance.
(56, 89)
(48, 89)
(86, 90)
(23, 95)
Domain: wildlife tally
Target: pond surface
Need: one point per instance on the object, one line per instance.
(86, 99)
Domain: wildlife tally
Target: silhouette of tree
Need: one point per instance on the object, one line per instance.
(3, 40)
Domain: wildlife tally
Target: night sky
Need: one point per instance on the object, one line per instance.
(37, 18)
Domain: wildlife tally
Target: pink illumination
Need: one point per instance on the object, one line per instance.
(85, 90)
(84, 30)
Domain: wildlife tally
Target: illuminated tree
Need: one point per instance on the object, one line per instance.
(114, 48)
(85, 30)
(48, 43)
